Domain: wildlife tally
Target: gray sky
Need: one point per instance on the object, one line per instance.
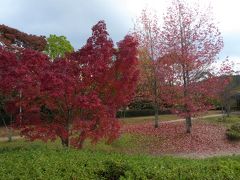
(74, 18)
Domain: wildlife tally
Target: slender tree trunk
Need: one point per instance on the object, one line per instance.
(228, 110)
(156, 124)
(10, 131)
(10, 134)
(20, 106)
(188, 124)
(223, 113)
(81, 140)
(65, 141)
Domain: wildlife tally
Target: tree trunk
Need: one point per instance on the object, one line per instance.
(188, 124)
(65, 142)
(222, 113)
(228, 110)
(10, 131)
(81, 140)
(20, 106)
(156, 125)
(10, 134)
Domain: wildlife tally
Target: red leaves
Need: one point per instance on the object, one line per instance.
(190, 44)
(16, 40)
(75, 97)
(171, 138)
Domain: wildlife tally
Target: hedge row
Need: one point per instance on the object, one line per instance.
(45, 163)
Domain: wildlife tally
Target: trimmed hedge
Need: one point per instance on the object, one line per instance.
(39, 162)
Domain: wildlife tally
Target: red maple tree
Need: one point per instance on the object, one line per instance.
(15, 40)
(190, 41)
(75, 97)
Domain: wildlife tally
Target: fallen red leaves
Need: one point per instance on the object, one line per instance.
(170, 138)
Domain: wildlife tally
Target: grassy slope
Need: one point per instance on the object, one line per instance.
(227, 121)
(165, 117)
(39, 161)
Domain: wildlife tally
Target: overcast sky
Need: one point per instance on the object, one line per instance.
(74, 18)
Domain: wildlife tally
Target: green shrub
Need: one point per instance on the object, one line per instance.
(113, 170)
(36, 161)
(234, 132)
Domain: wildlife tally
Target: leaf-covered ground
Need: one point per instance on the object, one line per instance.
(170, 138)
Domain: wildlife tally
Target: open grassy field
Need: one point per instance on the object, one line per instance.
(225, 121)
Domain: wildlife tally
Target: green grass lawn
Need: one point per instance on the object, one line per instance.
(226, 121)
(165, 117)
(127, 144)
(24, 160)
(134, 120)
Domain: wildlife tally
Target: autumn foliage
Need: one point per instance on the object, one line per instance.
(75, 97)
(15, 40)
(177, 59)
(193, 41)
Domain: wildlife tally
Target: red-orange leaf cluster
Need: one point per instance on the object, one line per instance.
(75, 97)
(15, 40)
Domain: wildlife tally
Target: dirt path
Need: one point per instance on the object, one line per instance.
(179, 120)
(4, 139)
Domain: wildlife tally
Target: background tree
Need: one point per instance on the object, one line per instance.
(15, 40)
(58, 46)
(193, 40)
(148, 33)
(227, 95)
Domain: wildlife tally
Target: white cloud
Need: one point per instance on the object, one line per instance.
(74, 18)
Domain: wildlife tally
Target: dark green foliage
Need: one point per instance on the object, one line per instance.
(37, 161)
(141, 104)
(137, 113)
(4, 117)
(113, 170)
(234, 132)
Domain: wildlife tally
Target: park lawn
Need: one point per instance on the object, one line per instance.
(143, 119)
(165, 117)
(35, 160)
(226, 121)
(128, 143)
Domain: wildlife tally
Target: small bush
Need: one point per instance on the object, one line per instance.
(113, 170)
(234, 132)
